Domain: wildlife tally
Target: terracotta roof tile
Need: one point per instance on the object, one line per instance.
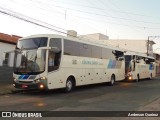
(9, 38)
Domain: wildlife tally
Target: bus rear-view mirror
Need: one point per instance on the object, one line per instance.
(54, 49)
(121, 58)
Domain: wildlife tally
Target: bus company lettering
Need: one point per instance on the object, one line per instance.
(91, 62)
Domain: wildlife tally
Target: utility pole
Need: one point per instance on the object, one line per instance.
(65, 14)
(148, 45)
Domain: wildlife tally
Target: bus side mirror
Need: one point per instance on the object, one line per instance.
(8, 59)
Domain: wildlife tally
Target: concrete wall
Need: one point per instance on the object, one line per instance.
(6, 75)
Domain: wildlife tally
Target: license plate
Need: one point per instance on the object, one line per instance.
(24, 86)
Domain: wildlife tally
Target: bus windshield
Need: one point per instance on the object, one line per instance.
(32, 43)
(30, 61)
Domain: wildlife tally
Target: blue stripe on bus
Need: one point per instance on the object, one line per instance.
(24, 77)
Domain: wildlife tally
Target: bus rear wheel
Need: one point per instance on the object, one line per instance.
(69, 85)
(112, 81)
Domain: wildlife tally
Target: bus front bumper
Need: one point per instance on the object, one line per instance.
(38, 86)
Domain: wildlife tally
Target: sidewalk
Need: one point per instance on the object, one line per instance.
(7, 89)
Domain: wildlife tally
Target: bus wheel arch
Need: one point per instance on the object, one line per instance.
(112, 80)
(70, 84)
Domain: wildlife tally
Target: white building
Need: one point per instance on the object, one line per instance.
(141, 46)
(7, 43)
(95, 36)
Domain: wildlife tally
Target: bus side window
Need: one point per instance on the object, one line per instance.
(54, 58)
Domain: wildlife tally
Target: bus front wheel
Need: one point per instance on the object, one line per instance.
(69, 85)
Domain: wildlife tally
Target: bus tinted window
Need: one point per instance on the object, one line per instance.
(96, 52)
(107, 53)
(85, 50)
(71, 48)
(55, 42)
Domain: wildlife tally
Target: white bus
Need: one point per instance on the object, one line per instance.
(49, 61)
(139, 66)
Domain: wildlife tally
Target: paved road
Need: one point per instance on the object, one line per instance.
(124, 96)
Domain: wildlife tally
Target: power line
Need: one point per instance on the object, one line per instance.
(105, 15)
(30, 20)
(129, 13)
(144, 27)
(45, 5)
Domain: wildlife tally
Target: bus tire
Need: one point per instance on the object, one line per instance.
(112, 81)
(150, 76)
(69, 85)
(137, 80)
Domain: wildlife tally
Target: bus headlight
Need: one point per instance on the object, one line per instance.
(37, 81)
(43, 78)
(41, 86)
(130, 77)
(40, 79)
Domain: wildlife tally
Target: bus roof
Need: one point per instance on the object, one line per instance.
(82, 40)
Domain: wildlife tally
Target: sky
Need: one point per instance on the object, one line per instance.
(119, 19)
